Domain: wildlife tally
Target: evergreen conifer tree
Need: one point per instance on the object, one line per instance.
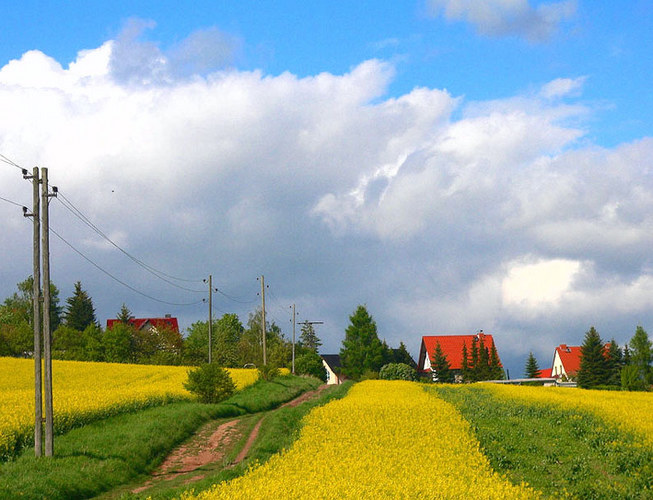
(474, 364)
(361, 351)
(641, 355)
(464, 368)
(80, 312)
(124, 315)
(531, 370)
(593, 363)
(309, 338)
(440, 365)
(615, 362)
(496, 370)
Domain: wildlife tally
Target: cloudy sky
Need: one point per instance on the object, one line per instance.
(454, 165)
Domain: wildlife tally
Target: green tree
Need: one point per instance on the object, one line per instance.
(464, 368)
(474, 362)
(641, 355)
(16, 331)
(117, 343)
(532, 369)
(210, 383)
(496, 370)
(79, 309)
(401, 355)
(440, 365)
(311, 364)
(593, 364)
(615, 363)
(228, 331)
(279, 349)
(125, 314)
(397, 371)
(196, 343)
(308, 338)
(361, 351)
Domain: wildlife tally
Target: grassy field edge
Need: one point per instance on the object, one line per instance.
(104, 454)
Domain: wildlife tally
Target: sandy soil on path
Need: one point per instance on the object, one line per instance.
(211, 445)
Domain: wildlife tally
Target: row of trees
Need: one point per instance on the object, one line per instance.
(78, 336)
(480, 362)
(16, 332)
(609, 365)
(363, 354)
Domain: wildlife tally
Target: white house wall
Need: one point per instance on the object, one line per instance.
(557, 369)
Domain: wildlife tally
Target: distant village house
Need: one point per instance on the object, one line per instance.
(452, 348)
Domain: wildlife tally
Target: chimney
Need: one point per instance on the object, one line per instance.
(167, 316)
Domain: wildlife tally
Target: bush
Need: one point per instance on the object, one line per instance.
(210, 383)
(369, 375)
(268, 372)
(397, 371)
(311, 364)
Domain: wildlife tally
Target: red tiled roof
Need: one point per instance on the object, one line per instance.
(452, 347)
(545, 373)
(570, 357)
(139, 323)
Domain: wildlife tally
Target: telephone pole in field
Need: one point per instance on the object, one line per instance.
(47, 334)
(36, 306)
(265, 360)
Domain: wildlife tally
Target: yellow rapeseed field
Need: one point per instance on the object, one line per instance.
(86, 391)
(632, 411)
(385, 439)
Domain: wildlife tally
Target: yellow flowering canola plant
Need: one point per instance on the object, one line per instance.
(385, 439)
(631, 411)
(84, 391)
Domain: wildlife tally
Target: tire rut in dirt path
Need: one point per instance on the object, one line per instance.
(211, 445)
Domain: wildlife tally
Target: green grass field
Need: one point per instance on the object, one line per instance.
(103, 455)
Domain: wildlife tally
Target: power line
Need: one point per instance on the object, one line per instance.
(6, 160)
(159, 274)
(12, 202)
(119, 280)
(233, 299)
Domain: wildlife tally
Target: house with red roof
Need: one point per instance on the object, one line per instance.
(452, 347)
(566, 361)
(149, 323)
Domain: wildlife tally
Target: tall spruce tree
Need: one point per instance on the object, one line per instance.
(440, 365)
(593, 362)
(464, 368)
(615, 363)
(474, 362)
(496, 370)
(80, 312)
(124, 315)
(401, 355)
(641, 355)
(308, 338)
(361, 351)
(531, 370)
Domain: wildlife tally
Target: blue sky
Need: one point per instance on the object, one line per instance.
(607, 42)
(455, 165)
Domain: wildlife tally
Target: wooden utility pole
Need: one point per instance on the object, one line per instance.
(210, 318)
(47, 334)
(265, 360)
(36, 307)
(293, 339)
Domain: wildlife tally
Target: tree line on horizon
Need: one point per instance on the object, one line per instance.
(77, 335)
(608, 366)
